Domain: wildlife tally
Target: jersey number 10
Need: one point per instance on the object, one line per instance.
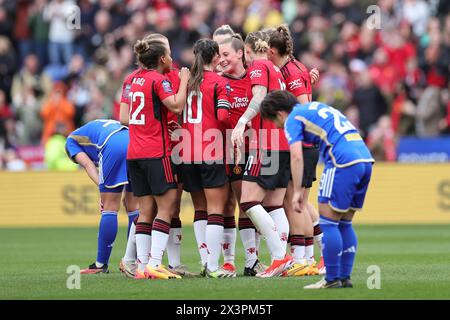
(187, 112)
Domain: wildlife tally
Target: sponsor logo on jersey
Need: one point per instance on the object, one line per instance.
(255, 74)
(126, 91)
(239, 102)
(228, 88)
(297, 83)
(167, 86)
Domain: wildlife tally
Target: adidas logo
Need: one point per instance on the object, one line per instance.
(352, 249)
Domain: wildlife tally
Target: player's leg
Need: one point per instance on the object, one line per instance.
(107, 232)
(248, 233)
(349, 239)
(200, 223)
(216, 199)
(273, 204)
(143, 232)
(160, 175)
(297, 235)
(174, 242)
(128, 262)
(229, 233)
(349, 248)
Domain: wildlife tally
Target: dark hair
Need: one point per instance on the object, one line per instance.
(281, 40)
(204, 51)
(148, 52)
(223, 30)
(237, 44)
(279, 100)
(257, 41)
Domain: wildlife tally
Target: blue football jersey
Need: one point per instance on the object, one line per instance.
(320, 124)
(92, 137)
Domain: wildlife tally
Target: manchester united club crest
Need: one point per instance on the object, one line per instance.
(237, 170)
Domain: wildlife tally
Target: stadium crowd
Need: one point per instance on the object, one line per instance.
(58, 70)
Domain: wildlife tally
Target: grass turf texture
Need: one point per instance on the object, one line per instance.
(413, 260)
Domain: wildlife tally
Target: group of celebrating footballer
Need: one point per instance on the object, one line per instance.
(172, 117)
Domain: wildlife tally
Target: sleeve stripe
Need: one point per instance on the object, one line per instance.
(223, 104)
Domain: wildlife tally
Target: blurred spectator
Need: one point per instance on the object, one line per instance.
(39, 30)
(367, 97)
(22, 33)
(55, 151)
(30, 88)
(416, 12)
(6, 21)
(12, 162)
(57, 109)
(262, 14)
(61, 36)
(381, 140)
(5, 116)
(7, 65)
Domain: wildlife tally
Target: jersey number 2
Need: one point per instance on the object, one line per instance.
(134, 115)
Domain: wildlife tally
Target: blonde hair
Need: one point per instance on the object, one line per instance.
(258, 41)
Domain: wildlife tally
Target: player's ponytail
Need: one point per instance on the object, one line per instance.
(258, 41)
(204, 51)
(281, 40)
(149, 52)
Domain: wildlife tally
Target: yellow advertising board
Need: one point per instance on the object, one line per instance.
(398, 194)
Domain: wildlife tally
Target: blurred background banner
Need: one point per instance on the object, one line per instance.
(398, 194)
(413, 149)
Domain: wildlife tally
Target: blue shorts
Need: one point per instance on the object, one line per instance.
(344, 189)
(113, 176)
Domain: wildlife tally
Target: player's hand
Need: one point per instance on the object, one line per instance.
(172, 126)
(314, 74)
(185, 74)
(100, 205)
(297, 201)
(237, 136)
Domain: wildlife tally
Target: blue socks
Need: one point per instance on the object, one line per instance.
(106, 235)
(332, 247)
(350, 244)
(131, 216)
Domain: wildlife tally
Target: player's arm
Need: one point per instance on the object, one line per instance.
(176, 102)
(89, 166)
(237, 136)
(303, 98)
(124, 114)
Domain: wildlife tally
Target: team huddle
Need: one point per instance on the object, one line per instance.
(237, 129)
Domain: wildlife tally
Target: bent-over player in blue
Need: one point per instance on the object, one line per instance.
(344, 182)
(103, 144)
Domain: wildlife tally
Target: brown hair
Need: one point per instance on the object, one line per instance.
(281, 40)
(148, 52)
(237, 44)
(258, 41)
(224, 29)
(204, 51)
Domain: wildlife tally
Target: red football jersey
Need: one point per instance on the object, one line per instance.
(174, 79)
(240, 96)
(149, 137)
(298, 81)
(263, 72)
(200, 114)
(297, 78)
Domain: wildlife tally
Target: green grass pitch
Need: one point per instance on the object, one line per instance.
(413, 260)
